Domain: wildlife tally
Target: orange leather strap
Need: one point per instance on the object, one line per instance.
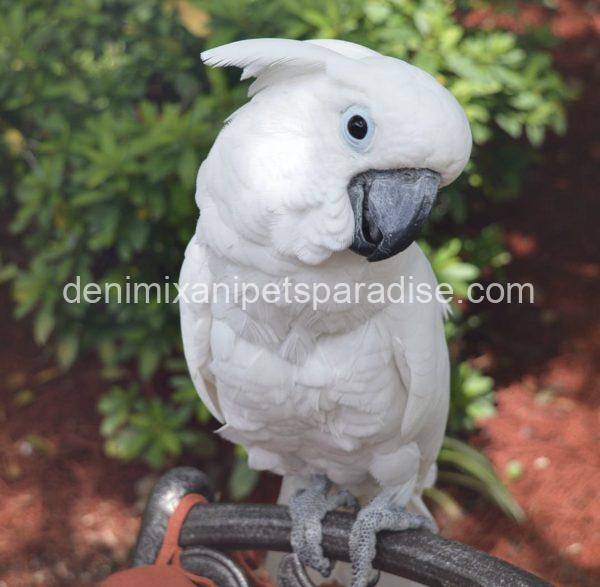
(170, 550)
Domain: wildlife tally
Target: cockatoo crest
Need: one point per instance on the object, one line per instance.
(269, 60)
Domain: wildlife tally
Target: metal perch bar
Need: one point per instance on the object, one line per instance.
(415, 554)
(418, 555)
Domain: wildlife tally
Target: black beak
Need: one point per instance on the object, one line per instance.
(390, 208)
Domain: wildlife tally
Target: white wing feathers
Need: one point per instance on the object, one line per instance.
(196, 319)
(420, 354)
(417, 357)
(421, 358)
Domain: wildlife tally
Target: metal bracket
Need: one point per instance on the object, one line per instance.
(213, 565)
(166, 495)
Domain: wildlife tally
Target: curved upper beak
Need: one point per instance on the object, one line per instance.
(390, 208)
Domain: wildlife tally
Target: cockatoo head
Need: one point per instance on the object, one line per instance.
(340, 147)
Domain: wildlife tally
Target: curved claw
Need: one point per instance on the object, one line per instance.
(292, 573)
(380, 514)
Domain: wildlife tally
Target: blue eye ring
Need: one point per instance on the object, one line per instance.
(357, 128)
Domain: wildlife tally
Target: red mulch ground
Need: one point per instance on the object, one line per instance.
(69, 515)
(66, 510)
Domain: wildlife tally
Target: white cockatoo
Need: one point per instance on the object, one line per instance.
(325, 177)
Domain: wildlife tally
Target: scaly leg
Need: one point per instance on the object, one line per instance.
(380, 514)
(307, 509)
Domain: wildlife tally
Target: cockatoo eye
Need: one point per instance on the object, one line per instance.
(357, 128)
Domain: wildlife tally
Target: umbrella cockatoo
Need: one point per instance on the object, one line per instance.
(325, 176)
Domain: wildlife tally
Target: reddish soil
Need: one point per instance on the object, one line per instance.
(69, 515)
(67, 512)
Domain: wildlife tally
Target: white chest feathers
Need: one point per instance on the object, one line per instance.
(304, 390)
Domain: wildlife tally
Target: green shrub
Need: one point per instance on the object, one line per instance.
(106, 114)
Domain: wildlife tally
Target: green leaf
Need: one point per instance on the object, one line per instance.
(171, 442)
(535, 134)
(8, 272)
(155, 456)
(510, 124)
(460, 272)
(444, 500)
(112, 423)
(242, 481)
(465, 458)
(66, 350)
(148, 361)
(43, 324)
(127, 445)
(188, 167)
(24, 398)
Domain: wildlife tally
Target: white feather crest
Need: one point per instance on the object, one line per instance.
(268, 59)
(351, 50)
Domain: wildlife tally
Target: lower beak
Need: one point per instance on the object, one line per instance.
(390, 208)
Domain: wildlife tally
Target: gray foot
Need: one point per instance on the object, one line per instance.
(307, 509)
(380, 514)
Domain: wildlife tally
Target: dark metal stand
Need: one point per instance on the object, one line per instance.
(210, 529)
